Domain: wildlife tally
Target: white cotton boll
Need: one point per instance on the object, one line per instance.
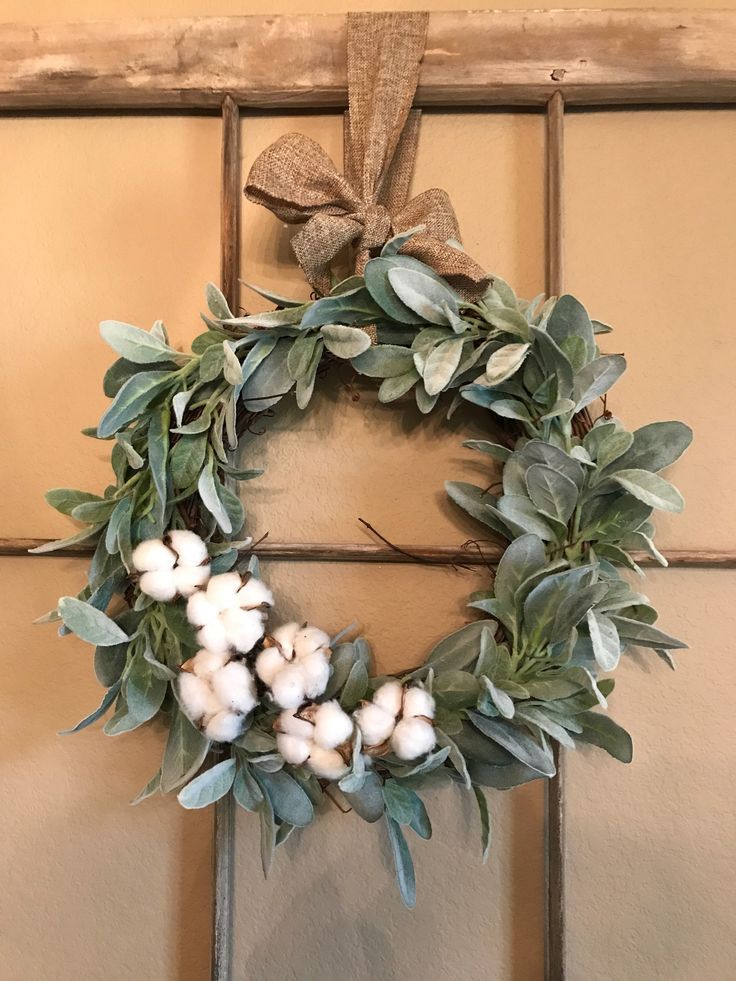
(152, 556)
(310, 639)
(332, 726)
(244, 628)
(288, 687)
(254, 593)
(224, 727)
(199, 609)
(284, 637)
(292, 726)
(235, 687)
(293, 749)
(375, 724)
(197, 698)
(412, 738)
(417, 701)
(222, 590)
(268, 664)
(205, 663)
(213, 636)
(189, 547)
(316, 670)
(160, 585)
(188, 578)
(326, 763)
(389, 697)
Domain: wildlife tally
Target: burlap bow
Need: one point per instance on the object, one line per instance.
(298, 181)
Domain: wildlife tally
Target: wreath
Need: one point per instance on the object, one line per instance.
(175, 605)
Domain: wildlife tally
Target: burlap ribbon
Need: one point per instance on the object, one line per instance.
(298, 181)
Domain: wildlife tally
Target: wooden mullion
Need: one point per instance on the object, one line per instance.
(555, 786)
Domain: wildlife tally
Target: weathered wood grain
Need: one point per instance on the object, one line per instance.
(230, 198)
(348, 552)
(481, 58)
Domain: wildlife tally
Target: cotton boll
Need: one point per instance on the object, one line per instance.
(197, 698)
(253, 594)
(293, 749)
(199, 609)
(189, 547)
(224, 727)
(213, 636)
(268, 664)
(288, 687)
(375, 724)
(152, 556)
(389, 697)
(235, 688)
(222, 590)
(316, 670)
(284, 637)
(332, 726)
(326, 763)
(244, 628)
(412, 738)
(188, 579)
(310, 639)
(417, 701)
(205, 663)
(160, 585)
(288, 722)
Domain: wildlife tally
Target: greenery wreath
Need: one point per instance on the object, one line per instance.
(177, 612)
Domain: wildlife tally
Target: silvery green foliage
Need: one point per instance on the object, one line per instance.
(561, 611)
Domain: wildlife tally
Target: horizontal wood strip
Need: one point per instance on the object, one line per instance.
(433, 554)
(475, 58)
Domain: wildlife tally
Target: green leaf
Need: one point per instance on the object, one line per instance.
(289, 800)
(158, 451)
(144, 689)
(656, 446)
(568, 319)
(403, 863)
(505, 362)
(600, 730)
(523, 558)
(551, 492)
(270, 380)
(651, 489)
(268, 834)
(537, 717)
(65, 500)
(216, 302)
(135, 395)
(393, 388)
(644, 635)
(187, 459)
(605, 640)
(232, 369)
(596, 378)
(400, 801)
(152, 787)
(345, 342)
(517, 742)
(246, 790)
(90, 624)
(384, 361)
(541, 605)
(498, 452)
(511, 409)
(509, 320)
(209, 496)
(109, 697)
(423, 294)
(185, 752)
(478, 503)
(456, 756)
(503, 702)
(356, 686)
(485, 822)
(136, 345)
(442, 364)
(367, 802)
(458, 649)
(209, 786)
(354, 307)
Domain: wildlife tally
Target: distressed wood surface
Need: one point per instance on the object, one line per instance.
(224, 865)
(479, 58)
(434, 554)
(230, 194)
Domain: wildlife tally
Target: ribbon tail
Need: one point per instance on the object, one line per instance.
(319, 242)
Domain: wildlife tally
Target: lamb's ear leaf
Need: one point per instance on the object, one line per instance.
(185, 752)
(367, 802)
(600, 730)
(209, 786)
(90, 624)
(405, 876)
(485, 822)
(109, 697)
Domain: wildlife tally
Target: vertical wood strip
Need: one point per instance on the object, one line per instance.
(224, 837)
(230, 204)
(555, 939)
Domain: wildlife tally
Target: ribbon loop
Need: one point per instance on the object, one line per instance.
(300, 184)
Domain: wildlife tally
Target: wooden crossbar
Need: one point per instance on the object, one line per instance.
(476, 58)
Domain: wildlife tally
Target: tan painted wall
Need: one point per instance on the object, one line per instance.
(119, 218)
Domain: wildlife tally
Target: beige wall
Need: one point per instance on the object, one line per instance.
(119, 218)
